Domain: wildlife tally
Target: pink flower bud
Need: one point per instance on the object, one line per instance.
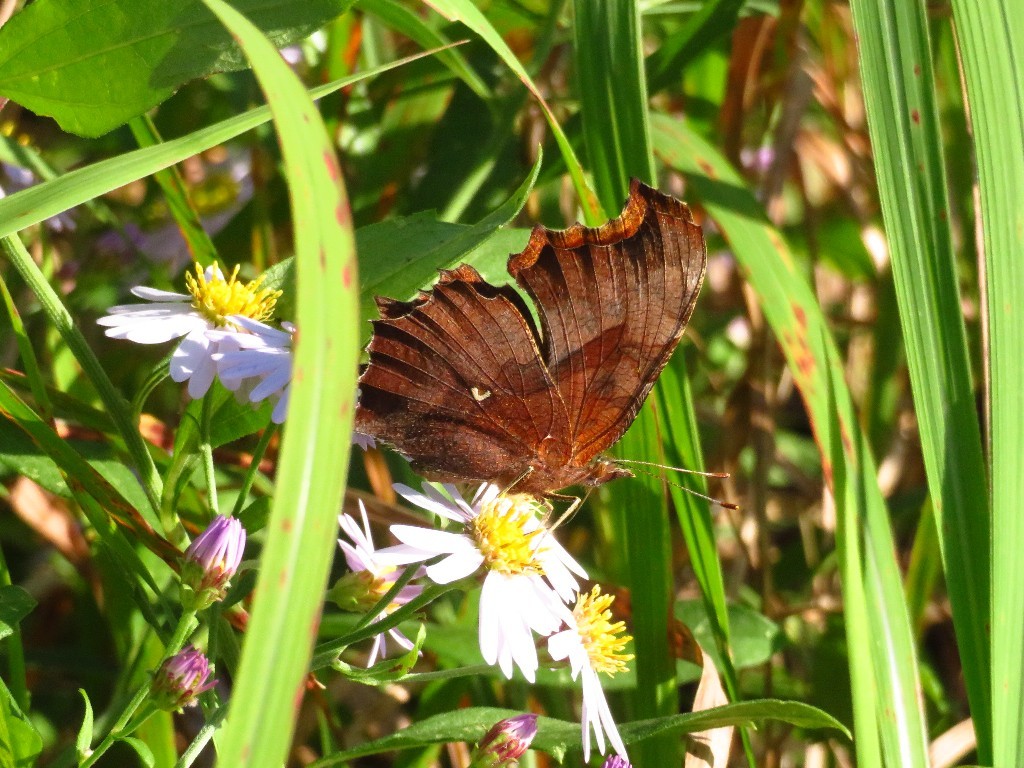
(505, 743)
(181, 679)
(212, 559)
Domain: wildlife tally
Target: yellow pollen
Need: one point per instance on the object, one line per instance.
(603, 639)
(218, 298)
(500, 536)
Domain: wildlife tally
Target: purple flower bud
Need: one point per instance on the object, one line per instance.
(212, 559)
(181, 679)
(615, 761)
(505, 743)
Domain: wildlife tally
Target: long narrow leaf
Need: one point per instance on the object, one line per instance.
(883, 662)
(896, 70)
(35, 204)
(991, 35)
(466, 12)
(315, 447)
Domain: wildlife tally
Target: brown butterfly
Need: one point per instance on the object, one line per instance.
(461, 381)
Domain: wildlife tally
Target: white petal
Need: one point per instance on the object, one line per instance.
(159, 309)
(378, 649)
(152, 330)
(155, 294)
(200, 381)
(401, 554)
(434, 503)
(454, 567)
(489, 627)
(281, 408)
(435, 542)
(561, 644)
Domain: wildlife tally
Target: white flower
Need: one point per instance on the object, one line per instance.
(376, 576)
(592, 644)
(257, 364)
(528, 574)
(199, 316)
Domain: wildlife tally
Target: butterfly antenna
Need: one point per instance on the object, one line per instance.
(683, 470)
(691, 491)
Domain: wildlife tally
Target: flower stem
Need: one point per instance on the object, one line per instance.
(206, 448)
(125, 726)
(254, 467)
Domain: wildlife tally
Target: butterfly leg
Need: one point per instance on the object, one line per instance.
(574, 504)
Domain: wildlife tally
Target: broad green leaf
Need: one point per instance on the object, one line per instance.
(990, 39)
(906, 141)
(94, 64)
(399, 257)
(40, 202)
(300, 537)
(15, 605)
(613, 96)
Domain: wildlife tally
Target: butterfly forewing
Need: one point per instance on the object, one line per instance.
(455, 381)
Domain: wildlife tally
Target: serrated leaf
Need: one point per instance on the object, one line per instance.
(15, 605)
(94, 64)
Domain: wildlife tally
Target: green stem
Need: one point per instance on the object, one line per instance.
(117, 407)
(125, 725)
(206, 449)
(15, 651)
(254, 467)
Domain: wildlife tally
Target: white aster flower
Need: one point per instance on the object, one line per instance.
(528, 574)
(593, 644)
(371, 580)
(197, 318)
(257, 364)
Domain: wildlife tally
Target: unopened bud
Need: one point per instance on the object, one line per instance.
(181, 678)
(505, 743)
(211, 560)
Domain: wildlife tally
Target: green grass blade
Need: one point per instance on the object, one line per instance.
(882, 657)
(116, 405)
(40, 202)
(179, 202)
(643, 540)
(714, 20)
(613, 96)
(899, 93)
(401, 19)
(466, 12)
(315, 448)
(991, 38)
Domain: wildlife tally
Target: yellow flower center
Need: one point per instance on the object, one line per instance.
(377, 586)
(500, 536)
(217, 298)
(603, 639)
